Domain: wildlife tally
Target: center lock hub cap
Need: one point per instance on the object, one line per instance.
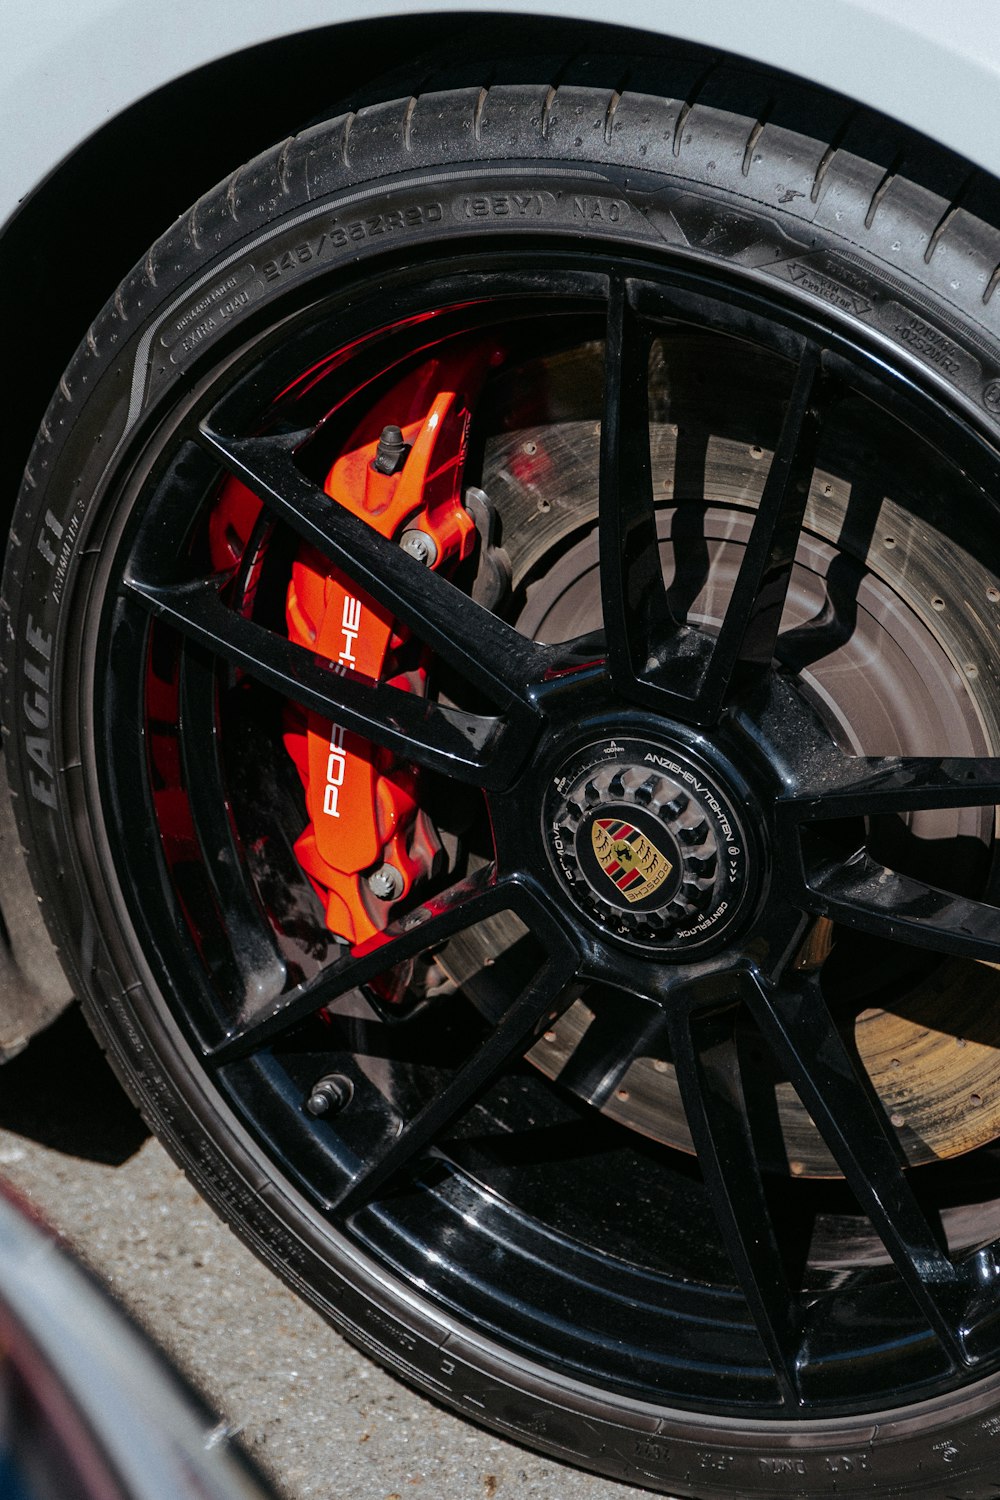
(648, 842)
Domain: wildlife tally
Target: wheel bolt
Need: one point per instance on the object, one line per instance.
(419, 545)
(386, 883)
(330, 1095)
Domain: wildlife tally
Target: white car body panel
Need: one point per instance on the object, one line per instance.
(69, 66)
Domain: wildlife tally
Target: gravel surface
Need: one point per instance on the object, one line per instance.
(320, 1418)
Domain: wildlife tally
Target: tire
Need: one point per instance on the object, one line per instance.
(751, 1171)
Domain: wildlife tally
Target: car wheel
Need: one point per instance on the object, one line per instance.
(502, 647)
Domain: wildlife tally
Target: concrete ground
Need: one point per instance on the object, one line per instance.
(322, 1420)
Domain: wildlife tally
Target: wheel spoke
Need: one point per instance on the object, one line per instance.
(637, 619)
(508, 1041)
(798, 1025)
(437, 737)
(857, 890)
(599, 1062)
(863, 894)
(706, 1058)
(746, 642)
(489, 653)
(868, 786)
(653, 659)
(441, 917)
(258, 963)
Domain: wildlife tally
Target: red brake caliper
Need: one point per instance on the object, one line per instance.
(367, 840)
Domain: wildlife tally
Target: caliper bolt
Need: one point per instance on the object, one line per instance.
(421, 545)
(390, 452)
(330, 1095)
(386, 883)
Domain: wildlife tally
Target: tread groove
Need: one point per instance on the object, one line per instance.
(946, 218)
(689, 104)
(408, 123)
(755, 134)
(282, 166)
(550, 99)
(991, 285)
(345, 140)
(609, 115)
(938, 231)
(826, 159)
(477, 114)
(888, 178)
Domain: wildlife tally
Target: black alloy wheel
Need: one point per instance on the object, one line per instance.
(504, 687)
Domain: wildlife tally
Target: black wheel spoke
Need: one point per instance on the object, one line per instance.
(508, 1041)
(637, 619)
(867, 786)
(862, 893)
(797, 1023)
(654, 660)
(441, 917)
(490, 654)
(706, 1057)
(470, 747)
(599, 1063)
(746, 642)
(259, 965)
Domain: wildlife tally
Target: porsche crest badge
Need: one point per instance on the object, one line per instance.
(629, 859)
